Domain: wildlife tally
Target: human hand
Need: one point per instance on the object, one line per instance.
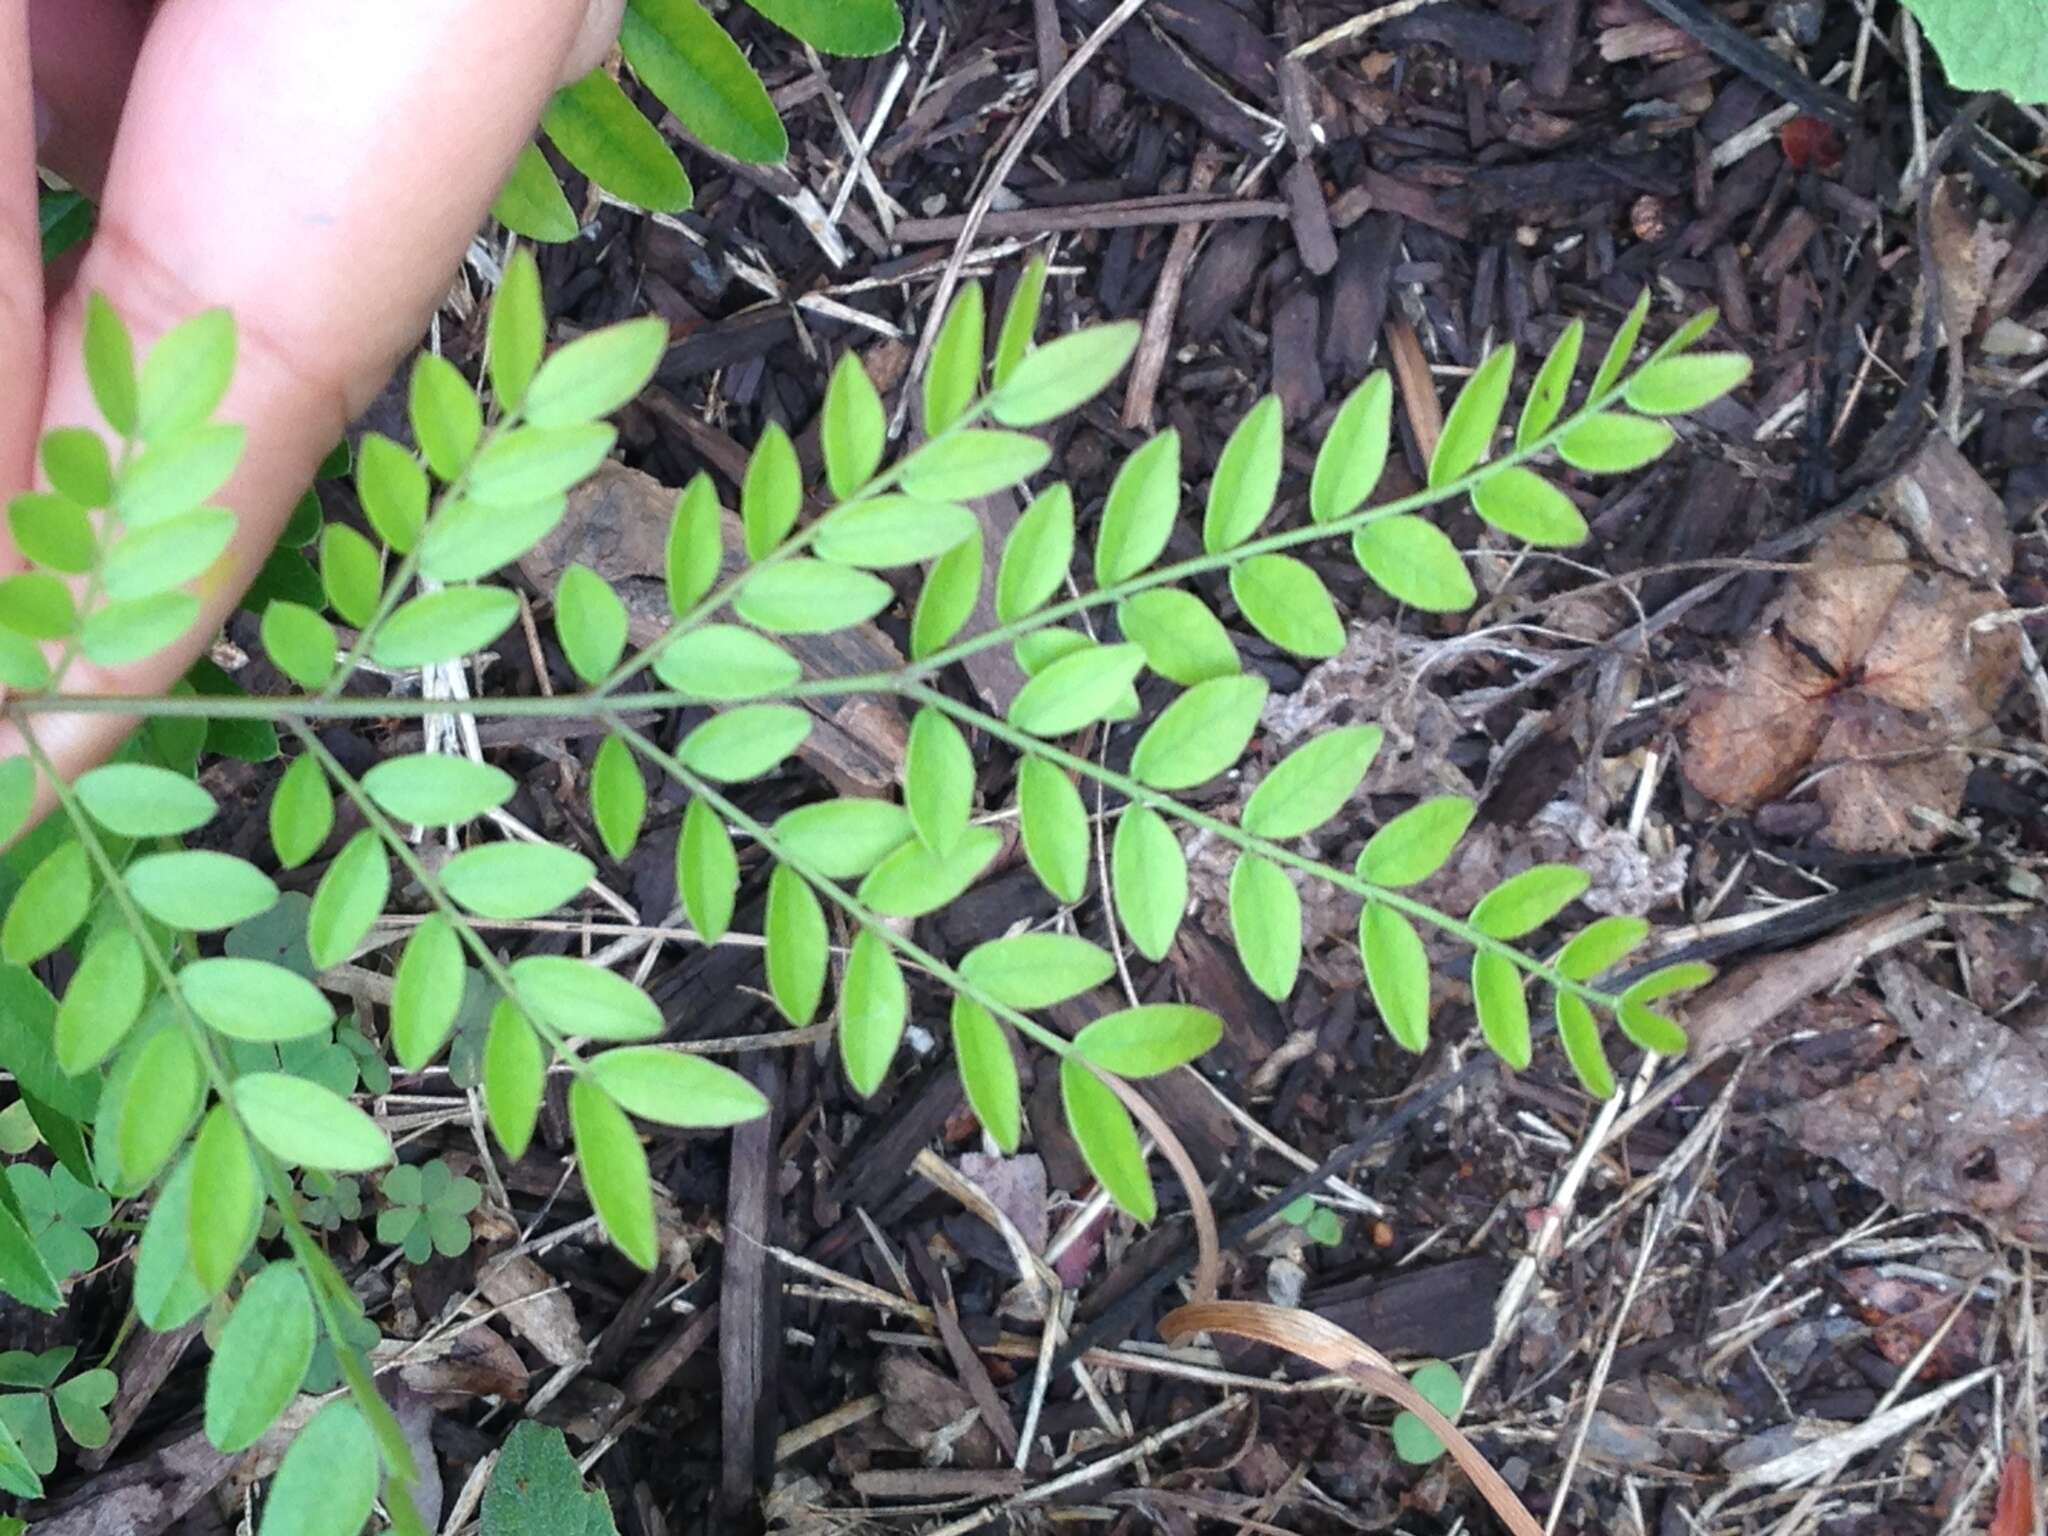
(319, 170)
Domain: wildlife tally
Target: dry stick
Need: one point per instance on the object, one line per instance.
(1157, 337)
(978, 210)
(1123, 213)
(1338, 1349)
(1208, 1259)
(1356, 26)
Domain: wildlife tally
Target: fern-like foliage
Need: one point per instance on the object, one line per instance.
(178, 1072)
(685, 59)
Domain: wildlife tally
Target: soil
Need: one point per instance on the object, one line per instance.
(1677, 1313)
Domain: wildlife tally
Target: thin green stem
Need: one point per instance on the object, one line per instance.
(1248, 842)
(919, 956)
(798, 541)
(277, 1184)
(388, 834)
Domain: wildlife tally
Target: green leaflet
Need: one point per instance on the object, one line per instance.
(601, 133)
(261, 1357)
(853, 429)
(971, 462)
(1615, 359)
(1036, 556)
(914, 880)
(306, 1125)
(1397, 973)
(1149, 1039)
(1415, 844)
(1414, 562)
(577, 997)
(1149, 878)
(873, 1007)
(988, 1071)
(1054, 824)
(1528, 507)
(843, 839)
(1599, 945)
(531, 203)
(795, 953)
(1246, 480)
(614, 1169)
(810, 597)
(953, 377)
(1137, 520)
(1108, 1140)
(694, 548)
(772, 492)
(426, 992)
(1182, 640)
(1503, 1007)
(948, 599)
(1265, 922)
(591, 623)
(1200, 734)
(1077, 690)
(1523, 903)
(443, 409)
(1036, 970)
(248, 999)
(140, 800)
(1613, 443)
(717, 662)
(1553, 381)
(300, 642)
(515, 880)
(1473, 419)
(707, 871)
(349, 899)
(888, 531)
(440, 626)
(1312, 783)
(199, 891)
(746, 742)
(699, 73)
(1354, 452)
(938, 779)
(850, 28)
(1580, 1033)
(119, 633)
(1020, 319)
(433, 789)
(392, 489)
(1063, 375)
(1672, 386)
(327, 1482)
(676, 1088)
(515, 1077)
(102, 1003)
(618, 797)
(1287, 603)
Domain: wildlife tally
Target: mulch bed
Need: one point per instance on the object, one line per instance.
(1711, 1294)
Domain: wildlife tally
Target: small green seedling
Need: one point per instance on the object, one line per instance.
(1414, 1441)
(536, 1490)
(28, 1437)
(1318, 1222)
(427, 1210)
(61, 1215)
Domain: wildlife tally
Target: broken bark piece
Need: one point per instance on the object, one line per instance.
(1868, 669)
(1951, 513)
(617, 524)
(1959, 1123)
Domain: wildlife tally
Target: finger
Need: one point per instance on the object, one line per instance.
(83, 53)
(21, 253)
(320, 170)
(594, 38)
